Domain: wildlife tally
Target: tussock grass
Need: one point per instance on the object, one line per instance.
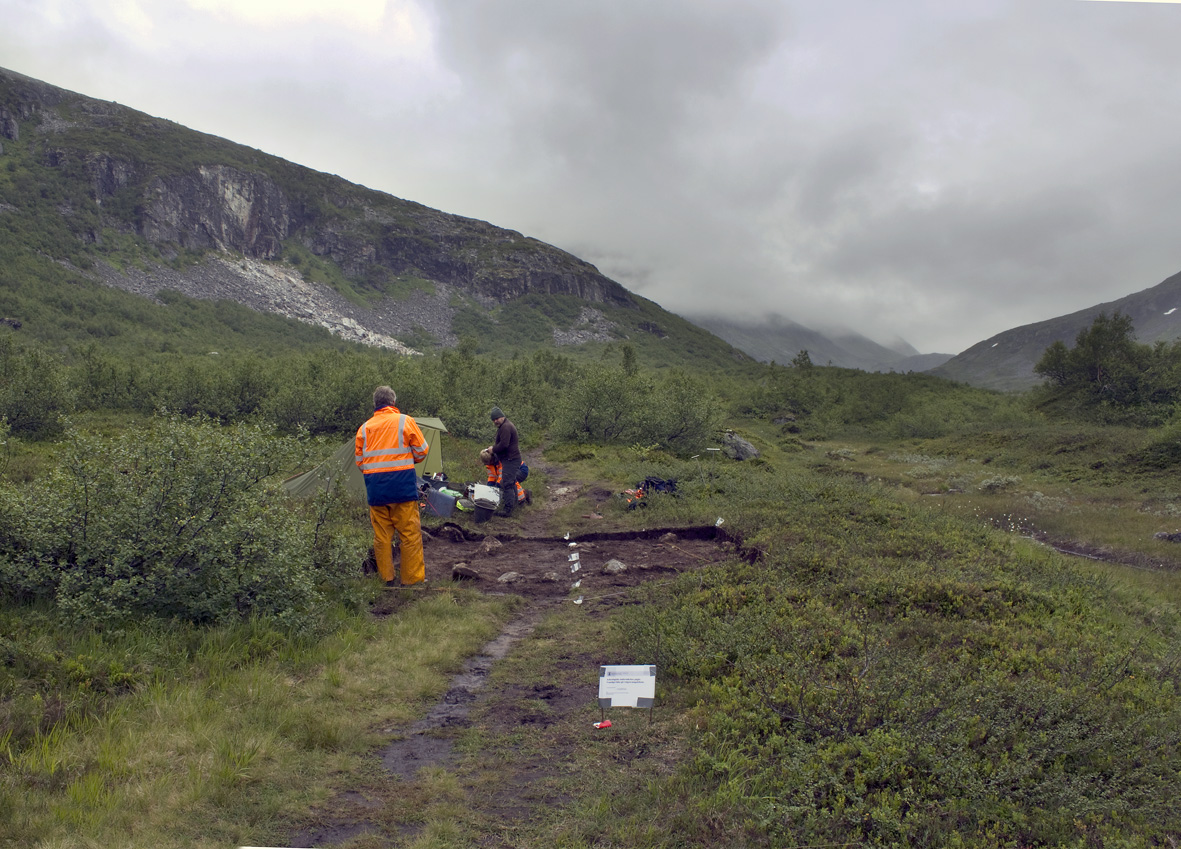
(217, 751)
(890, 670)
(890, 673)
(1097, 500)
(886, 671)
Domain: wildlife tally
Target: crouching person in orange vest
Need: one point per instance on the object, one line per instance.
(387, 447)
(494, 469)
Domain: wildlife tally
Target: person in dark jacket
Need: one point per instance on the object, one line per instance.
(508, 454)
(387, 446)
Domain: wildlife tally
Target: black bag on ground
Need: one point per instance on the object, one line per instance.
(638, 497)
(657, 485)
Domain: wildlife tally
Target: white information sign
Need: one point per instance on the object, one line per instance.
(627, 686)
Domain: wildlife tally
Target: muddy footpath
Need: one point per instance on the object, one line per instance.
(594, 570)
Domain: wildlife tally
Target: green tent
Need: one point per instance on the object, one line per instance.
(343, 462)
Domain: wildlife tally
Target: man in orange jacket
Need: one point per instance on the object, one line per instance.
(387, 447)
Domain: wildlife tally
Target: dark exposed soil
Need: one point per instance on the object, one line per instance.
(1106, 554)
(594, 569)
(419, 748)
(546, 568)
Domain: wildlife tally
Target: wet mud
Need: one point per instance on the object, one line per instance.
(421, 747)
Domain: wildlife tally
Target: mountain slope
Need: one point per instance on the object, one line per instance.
(1006, 361)
(780, 340)
(125, 200)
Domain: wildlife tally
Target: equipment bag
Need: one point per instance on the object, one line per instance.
(524, 473)
(657, 485)
(438, 503)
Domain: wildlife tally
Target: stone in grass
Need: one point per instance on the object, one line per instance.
(614, 567)
(737, 448)
(552, 577)
(511, 578)
(463, 572)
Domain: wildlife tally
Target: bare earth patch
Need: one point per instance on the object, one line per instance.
(507, 783)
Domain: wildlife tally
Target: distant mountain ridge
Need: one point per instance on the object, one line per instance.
(780, 340)
(1006, 361)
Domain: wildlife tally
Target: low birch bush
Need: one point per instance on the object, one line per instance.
(178, 519)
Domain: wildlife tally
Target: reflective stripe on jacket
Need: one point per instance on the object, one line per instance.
(386, 447)
(494, 480)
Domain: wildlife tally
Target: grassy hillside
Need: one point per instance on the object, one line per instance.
(62, 310)
(537, 321)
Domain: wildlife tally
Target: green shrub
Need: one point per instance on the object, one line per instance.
(617, 405)
(996, 483)
(176, 519)
(34, 395)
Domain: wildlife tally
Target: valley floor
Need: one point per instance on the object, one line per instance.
(514, 740)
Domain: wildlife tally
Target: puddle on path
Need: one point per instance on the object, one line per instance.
(421, 747)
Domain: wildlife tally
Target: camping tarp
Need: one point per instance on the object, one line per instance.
(343, 463)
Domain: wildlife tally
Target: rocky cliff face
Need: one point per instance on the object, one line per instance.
(179, 190)
(216, 207)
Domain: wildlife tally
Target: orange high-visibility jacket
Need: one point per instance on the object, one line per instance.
(387, 447)
(494, 480)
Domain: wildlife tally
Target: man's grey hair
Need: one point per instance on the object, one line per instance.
(383, 396)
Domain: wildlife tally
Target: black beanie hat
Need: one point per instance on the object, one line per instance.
(496, 413)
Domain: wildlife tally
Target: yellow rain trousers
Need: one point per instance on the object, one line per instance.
(404, 519)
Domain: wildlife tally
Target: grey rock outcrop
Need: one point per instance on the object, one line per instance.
(737, 448)
(217, 207)
(265, 287)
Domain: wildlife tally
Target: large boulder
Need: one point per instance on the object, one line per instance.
(737, 448)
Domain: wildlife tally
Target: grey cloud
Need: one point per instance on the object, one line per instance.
(604, 85)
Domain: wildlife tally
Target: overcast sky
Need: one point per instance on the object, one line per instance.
(931, 170)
